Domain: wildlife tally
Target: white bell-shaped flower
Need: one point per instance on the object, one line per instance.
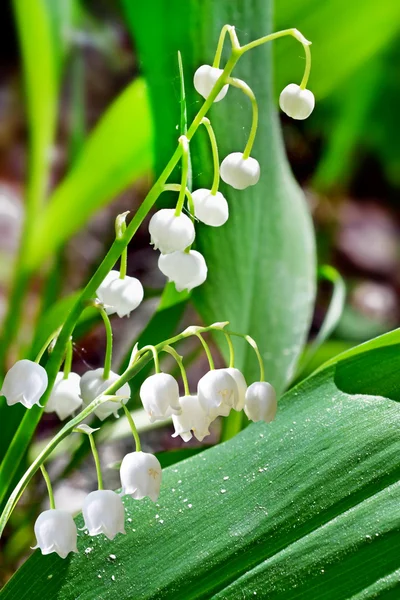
(217, 389)
(159, 394)
(171, 233)
(192, 419)
(186, 269)
(120, 296)
(93, 384)
(240, 172)
(55, 531)
(25, 382)
(141, 475)
(211, 209)
(204, 80)
(104, 512)
(65, 396)
(295, 102)
(241, 385)
(260, 402)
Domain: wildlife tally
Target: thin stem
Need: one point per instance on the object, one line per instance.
(231, 350)
(133, 427)
(221, 40)
(253, 344)
(184, 142)
(242, 85)
(214, 148)
(46, 345)
(109, 340)
(68, 359)
(307, 70)
(274, 36)
(120, 228)
(175, 187)
(49, 486)
(207, 351)
(96, 461)
(179, 361)
(154, 351)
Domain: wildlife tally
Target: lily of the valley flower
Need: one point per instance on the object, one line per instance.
(217, 389)
(260, 403)
(93, 384)
(118, 295)
(240, 172)
(104, 512)
(141, 475)
(186, 269)
(55, 531)
(295, 102)
(241, 386)
(65, 397)
(171, 233)
(192, 419)
(25, 382)
(211, 209)
(159, 394)
(204, 80)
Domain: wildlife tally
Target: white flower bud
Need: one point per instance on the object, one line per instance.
(104, 512)
(55, 531)
(159, 394)
(170, 233)
(141, 475)
(241, 385)
(217, 390)
(260, 402)
(204, 80)
(211, 209)
(25, 382)
(193, 418)
(120, 296)
(295, 102)
(240, 172)
(93, 384)
(186, 269)
(65, 397)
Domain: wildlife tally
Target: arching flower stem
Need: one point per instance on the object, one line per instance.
(49, 486)
(179, 361)
(214, 149)
(133, 428)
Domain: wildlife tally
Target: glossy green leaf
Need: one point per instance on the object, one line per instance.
(261, 262)
(117, 152)
(306, 507)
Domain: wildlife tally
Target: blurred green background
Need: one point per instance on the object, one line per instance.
(346, 157)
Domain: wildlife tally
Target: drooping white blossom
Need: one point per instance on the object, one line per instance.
(171, 233)
(25, 382)
(295, 102)
(93, 384)
(211, 209)
(260, 402)
(55, 531)
(65, 396)
(192, 419)
(104, 512)
(241, 385)
(217, 391)
(159, 394)
(141, 475)
(118, 295)
(204, 80)
(240, 172)
(186, 269)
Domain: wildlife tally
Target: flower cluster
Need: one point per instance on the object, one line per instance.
(103, 392)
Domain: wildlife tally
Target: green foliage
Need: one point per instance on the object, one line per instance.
(310, 510)
(117, 152)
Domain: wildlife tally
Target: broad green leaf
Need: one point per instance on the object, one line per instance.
(261, 263)
(344, 38)
(306, 507)
(117, 152)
